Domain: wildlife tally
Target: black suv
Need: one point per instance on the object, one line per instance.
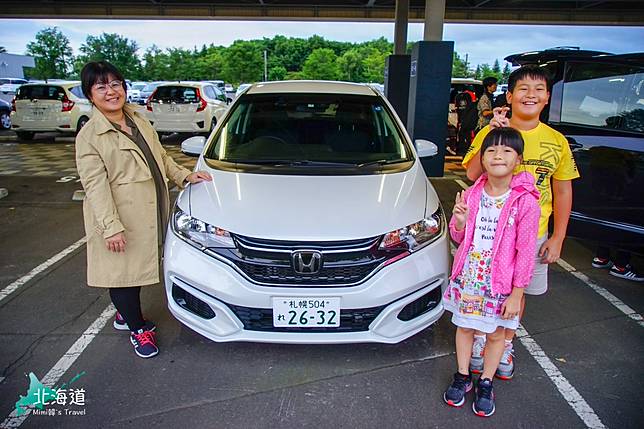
(597, 102)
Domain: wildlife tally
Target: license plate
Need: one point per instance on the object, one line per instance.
(38, 113)
(174, 109)
(302, 312)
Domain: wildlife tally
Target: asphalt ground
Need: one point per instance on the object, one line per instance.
(595, 349)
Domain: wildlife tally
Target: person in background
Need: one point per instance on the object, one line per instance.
(485, 102)
(124, 171)
(621, 267)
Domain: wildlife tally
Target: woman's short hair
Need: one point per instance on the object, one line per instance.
(490, 80)
(99, 72)
(504, 136)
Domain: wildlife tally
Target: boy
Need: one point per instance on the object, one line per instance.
(548, 158)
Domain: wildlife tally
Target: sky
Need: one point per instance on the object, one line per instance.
(483, 43)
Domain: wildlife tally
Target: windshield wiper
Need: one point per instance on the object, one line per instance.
(292, 162)
(381, 162)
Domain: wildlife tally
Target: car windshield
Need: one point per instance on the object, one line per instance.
(176, 94)
(40, 92)
(310, 130)
(150, 87)
(138, 86)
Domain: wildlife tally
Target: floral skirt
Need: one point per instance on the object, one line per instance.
(474, 306)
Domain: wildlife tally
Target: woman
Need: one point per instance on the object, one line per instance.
(124, 171)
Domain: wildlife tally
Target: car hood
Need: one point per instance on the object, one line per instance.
(310, 208)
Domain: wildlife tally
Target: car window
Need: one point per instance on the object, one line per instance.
(210, 92)
(330, 128)
(150, 87)
(604, 95)
(219, 94)
(77, 91)
(40, 92)
(176, 94)
(139, 86)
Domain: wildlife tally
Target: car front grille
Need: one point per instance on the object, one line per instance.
(344, 263)
(261, 319)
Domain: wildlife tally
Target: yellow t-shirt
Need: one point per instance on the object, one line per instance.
(546, 154)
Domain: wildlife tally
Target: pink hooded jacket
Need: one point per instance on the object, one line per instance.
(513, 248)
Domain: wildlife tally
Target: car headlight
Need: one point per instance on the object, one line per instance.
(199, 233)
(415, 236)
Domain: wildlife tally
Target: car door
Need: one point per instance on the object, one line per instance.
(602, 115)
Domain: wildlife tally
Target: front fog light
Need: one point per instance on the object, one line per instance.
(199, 233)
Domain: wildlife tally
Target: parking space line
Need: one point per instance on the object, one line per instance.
(40, 268)
(570, 394)
(620, 305)
(65, 362)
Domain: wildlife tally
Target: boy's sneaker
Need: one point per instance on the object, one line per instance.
(455, 394)
(505, 370)
(478, 350)
(601, 262)
(144, 343)
(120, 325)
(627, 272)
(483, 404)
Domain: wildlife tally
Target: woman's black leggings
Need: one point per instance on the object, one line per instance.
(127, 301)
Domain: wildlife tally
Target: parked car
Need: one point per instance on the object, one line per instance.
(597, 102)
(134, 91)
(186, 107)
(229, 88)
(8, 86)
(5, 115)
(147, 91)
(463, 115)
(319, 226)
(241, 88)
(45, 107)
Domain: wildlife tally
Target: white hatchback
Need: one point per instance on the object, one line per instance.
(319, 226)
(47, 107)
(186, 107)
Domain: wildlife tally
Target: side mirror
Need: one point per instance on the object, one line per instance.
(425, 148)
(193, 146)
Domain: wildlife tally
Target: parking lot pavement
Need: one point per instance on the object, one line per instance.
(595, 349)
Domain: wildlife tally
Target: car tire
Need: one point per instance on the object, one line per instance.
(5, 121)
(25, 135)
(81, 123)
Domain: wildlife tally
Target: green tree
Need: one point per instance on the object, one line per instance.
(459, 67)
(118, 50)
(277, 73)
(506, 73)
(321, 64)
(52, 54)
(496, 69)
(351, 65)
(243, 62)
(374, 66)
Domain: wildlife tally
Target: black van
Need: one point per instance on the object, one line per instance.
(597, 102)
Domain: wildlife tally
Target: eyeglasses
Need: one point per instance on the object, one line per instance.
(115, 85)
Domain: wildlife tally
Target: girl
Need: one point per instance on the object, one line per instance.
(496, 222)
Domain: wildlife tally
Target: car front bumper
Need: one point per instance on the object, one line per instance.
(231, 298)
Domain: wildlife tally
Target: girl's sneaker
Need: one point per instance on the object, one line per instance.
(483, 404)
(454, 396)
(478, 350)
(505, 370)
(144, 343)
(120, 324)
(601, 262)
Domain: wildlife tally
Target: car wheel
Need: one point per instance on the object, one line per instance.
(25, 135)
(5, 120)
(81, 123)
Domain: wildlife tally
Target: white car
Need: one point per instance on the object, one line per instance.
(186, 107)
(319, 225)
(134, 91)
(241, 88)
(46, 107)
(8, 87)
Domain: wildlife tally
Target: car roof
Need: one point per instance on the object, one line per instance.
(554, 54)
(64, 83)
(313, 86)
(185, 83)
(466, 80)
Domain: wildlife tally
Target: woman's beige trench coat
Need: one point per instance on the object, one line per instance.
(120, 196)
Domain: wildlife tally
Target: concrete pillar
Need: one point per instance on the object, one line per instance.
(400, 27)
(434, 20)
